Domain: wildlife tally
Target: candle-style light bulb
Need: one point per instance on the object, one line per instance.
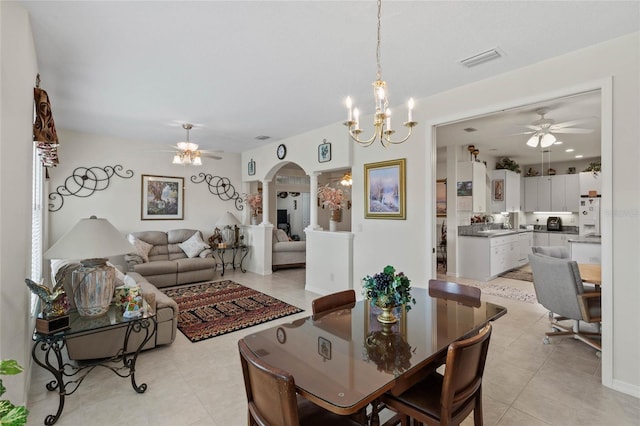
(411, 105)
(356, 117)
(380, 98)
(388, 114)
(349, 104)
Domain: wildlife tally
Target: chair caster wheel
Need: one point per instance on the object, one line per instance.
(545, 340)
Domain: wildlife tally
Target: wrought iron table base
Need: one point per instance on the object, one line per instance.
(52, 346)
(244, 251)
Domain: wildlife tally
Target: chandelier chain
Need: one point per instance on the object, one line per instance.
(379, 73)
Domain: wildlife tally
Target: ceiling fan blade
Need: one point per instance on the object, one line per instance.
(210, 155)
(569, 123)
(523, 133)
(572, 130)
(532, 127)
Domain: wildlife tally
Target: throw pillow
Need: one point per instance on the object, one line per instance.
(193, 246)
(142, 248)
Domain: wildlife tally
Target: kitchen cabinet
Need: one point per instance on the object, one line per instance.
(558, 193)
(476, 173)
(540, 239)
(485, 258)
(557, 239)
(590, 182)
(505, 191)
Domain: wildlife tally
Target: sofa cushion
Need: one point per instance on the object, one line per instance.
(290, 246)
(142, 248)
(193, 246)
(195, 264)
(158, 267)
(280, 236)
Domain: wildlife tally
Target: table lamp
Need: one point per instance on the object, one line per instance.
(92, 240)
(229, 228)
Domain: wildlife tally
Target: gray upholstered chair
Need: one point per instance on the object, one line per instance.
(560, 252)
(559, 288)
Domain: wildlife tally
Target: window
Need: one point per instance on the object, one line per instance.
(37, 223)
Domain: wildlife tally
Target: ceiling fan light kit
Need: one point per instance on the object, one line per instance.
(382, 118)
(188, 153)
(544, 128)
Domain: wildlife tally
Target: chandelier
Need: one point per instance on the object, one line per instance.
(382, 118)
(346, 179)
(188, 153)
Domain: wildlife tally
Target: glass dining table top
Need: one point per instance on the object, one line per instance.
(346, 358)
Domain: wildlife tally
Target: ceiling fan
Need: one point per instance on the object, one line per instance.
(542, 130)
(187, 153)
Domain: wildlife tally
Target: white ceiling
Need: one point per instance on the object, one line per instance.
(239, 69)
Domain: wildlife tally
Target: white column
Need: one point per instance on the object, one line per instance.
(313, 195)
(265, 202)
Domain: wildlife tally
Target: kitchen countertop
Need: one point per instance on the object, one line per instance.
(585, 239)
(491, 233)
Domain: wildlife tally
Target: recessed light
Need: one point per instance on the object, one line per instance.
(579, 156)
(569, 150)
(557, 143)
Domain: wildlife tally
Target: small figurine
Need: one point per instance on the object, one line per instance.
(55, 302)
(215, 238)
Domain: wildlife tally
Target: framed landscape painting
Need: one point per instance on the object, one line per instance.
(162, 198)
(384, 192)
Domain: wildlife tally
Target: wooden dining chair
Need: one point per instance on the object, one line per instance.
(446, 399)
(464, 294)
(334, 301)
(272, 399)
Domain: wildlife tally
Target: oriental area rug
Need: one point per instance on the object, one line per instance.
(211, 309)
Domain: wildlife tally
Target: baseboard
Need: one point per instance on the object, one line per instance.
(627, 388)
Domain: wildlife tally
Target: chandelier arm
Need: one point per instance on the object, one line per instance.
(387, 137)
(364, 142)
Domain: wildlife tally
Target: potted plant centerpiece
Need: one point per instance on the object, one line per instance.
(333, 198)
(387, 290)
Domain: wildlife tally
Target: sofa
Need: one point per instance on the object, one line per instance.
(107, 343)
(171, 258)
(287, 253)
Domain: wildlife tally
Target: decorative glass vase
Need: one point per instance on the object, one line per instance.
(254, 219)
(333, 226)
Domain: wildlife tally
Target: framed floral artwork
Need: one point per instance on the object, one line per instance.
(251, 168)
(162, 198)
(324, 151)
(384, 190)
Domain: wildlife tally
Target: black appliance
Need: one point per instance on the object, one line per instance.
(554, 223)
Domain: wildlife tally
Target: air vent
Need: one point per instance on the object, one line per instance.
(481, 58)
(470, 129)
(262, 137)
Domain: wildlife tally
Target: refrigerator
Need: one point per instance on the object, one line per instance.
(589, 216)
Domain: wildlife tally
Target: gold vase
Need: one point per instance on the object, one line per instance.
(387, 317)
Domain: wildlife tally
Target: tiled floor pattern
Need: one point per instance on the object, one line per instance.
(525, 382)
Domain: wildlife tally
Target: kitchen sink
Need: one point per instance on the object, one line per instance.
(496, 231)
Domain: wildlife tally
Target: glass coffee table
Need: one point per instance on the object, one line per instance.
(47, 351)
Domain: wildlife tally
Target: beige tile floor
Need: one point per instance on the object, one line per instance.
(525, 382)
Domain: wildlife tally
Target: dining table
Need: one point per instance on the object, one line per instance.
(591, 273)
(346, 359)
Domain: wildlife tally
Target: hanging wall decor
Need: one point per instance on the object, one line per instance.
(220, 186)
(162, 198)
(84, 182)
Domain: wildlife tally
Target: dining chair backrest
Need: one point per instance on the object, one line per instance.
(463, 373)
(271, 392)
(557, 284)
(464, 294)
(559, 252)
(331, 302)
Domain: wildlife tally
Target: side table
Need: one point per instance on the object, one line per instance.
(239, 252)
(67, 377)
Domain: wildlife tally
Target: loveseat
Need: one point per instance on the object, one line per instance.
(286, 253)
(107, 343)
(171, 258)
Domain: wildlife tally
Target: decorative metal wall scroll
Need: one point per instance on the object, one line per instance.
(84, 182)
(220, 186)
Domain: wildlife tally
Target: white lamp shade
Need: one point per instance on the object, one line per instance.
(533, 141)
(90, 238)
(547, 140)
(227, 219)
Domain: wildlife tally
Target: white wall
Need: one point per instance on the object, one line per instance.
(19, 70)
(120, 203)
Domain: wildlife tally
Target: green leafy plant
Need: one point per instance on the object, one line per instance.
(11, 415)
(387, 288)
(593, 167)
(509, 164)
